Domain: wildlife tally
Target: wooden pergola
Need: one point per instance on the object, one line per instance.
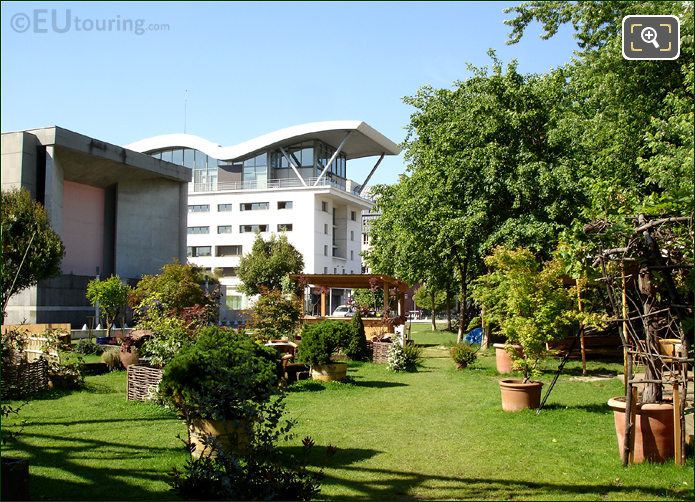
(353, 281)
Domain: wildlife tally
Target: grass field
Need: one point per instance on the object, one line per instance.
(436, 434)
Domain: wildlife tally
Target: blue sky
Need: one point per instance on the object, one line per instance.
(250, 68)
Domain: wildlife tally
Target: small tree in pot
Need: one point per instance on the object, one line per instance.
(320, 342)
(219, 384)
(528, 303)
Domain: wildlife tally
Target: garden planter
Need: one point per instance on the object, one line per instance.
(15, 479)
(653, 430)
(232, 435)
(503, 359)
(517, 395)
(670, 347)
(329, 372)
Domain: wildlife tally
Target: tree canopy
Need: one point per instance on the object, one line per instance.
(268, 263)
(31, 250)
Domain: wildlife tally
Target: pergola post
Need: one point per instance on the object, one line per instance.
(401, 303)
(323, 302)
(386, 299)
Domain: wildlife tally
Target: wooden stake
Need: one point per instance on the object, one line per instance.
(677, 439)
(633, 422)
(625, 332)
(581, 327)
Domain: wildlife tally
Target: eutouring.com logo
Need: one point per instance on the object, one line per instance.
(64, 21)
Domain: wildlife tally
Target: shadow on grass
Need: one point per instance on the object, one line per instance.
(577, 371)
(72, 479)
(601, 408)
(349, 382)
(394, 484)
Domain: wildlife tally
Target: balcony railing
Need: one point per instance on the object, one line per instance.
(272, 183)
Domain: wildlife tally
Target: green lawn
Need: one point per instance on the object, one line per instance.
(436, 434)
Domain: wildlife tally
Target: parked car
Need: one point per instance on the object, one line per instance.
(343, 311)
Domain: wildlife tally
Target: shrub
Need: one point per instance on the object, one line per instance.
(321, 340)
(356, 347)
(407, 358)
(87, 347)
(274, 315)
(463, 354)
(112, 359)
(220, 375)
(262, 473)
(168, 333)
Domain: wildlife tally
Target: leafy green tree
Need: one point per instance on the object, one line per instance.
(366, 298)
(31, 250)
(268, 263)
(431, 299)
(112, 296)
(178, 285)
(275, 315)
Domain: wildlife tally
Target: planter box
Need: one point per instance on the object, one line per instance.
(334, 372)
(24, 379)
(140, 380)
(380, 352)
(15, 479)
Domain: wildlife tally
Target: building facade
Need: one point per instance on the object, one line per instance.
(293, 182)
(117, 211)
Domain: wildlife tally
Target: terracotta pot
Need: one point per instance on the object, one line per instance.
(517, 395)
(503, 359)
(232, 435)
(129, 355)
(15, 478)
(653, 430)
(329, 372)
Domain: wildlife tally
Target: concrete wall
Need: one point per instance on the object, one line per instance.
(149, 228)
(19, 161)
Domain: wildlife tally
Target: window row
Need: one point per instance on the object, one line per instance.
(243, 229)
(244, 206)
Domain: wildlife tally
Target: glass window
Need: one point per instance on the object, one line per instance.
(253, 206)
(199, 208)
(352, 235)
(167, 155)
(233, 302)
(325, 250)
(284, 227)
(233, 250)
(325, 228)
(224, 229)
(224, 207)
(200, 160)
(188, 158)
(353, 215)
(177, 156)
(307, 157)
(229, 271)
(245, 229)
(194, 251)
(325, 270)
(285, 204)
(324, 206)
(198, 230)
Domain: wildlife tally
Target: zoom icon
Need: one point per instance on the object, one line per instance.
(651, 37)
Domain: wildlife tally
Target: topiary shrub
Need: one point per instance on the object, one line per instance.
(321, 340)
(407, 358)
(221, 375)
(356, 347)
(463, 354)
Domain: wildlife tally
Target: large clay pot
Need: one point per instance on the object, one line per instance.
(503, 359)
(130, 352)
(329, 372)
(653, 430)
(517, 395)
(232, 435)
(15, 478)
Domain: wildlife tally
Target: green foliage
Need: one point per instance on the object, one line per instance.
(112, 296)
(464, 354)
(221, 375)
(274, 315)
(408, 358)
(268, 263)
(528, 304)
(356, 347)
(178, 285)
(112, 359)
(264, 472)
(423, 298)
(321, 340)
(88, 347)
(25, 221)
(368, 298)
(169, 333)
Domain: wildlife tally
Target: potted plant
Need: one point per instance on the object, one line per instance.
(528, 303)
(320, 343)
(218, 384)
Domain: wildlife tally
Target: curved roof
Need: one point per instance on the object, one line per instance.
(364, 141)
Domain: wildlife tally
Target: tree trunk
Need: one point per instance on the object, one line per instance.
(463, 272)
(434, 316)
(448, 309)
(486, 335)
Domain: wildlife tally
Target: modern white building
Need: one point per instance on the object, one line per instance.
(292, 181)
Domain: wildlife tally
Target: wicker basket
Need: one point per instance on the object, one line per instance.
(380, 351)
(140, 380)
(24, 379)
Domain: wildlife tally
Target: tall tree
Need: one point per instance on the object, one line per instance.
(31, 250)
(268, 263)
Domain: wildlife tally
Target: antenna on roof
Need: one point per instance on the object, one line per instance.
(185, 109)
